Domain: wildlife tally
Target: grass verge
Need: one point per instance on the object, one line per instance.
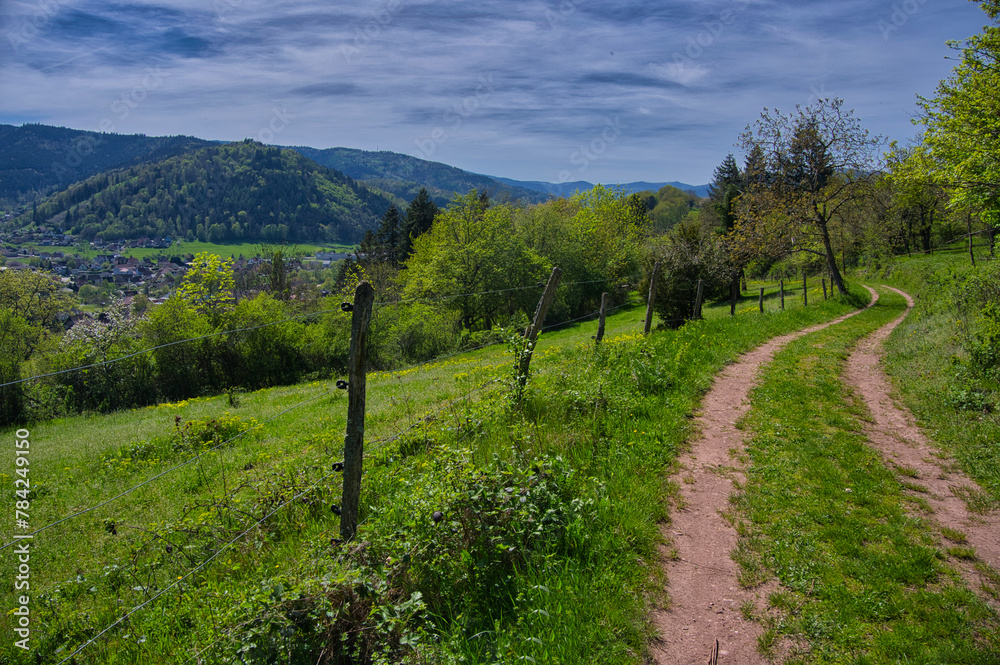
(491, 532)
(861, 579)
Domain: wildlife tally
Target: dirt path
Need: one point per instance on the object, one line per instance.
(903, 445)
(705, 597)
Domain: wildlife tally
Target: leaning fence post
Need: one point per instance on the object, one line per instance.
(805, 291)
(760, 301)
(354, 440)
(652, 298)
(697, 300)
(781, 288)
(604, 311)
(824, 288)
(531, 334)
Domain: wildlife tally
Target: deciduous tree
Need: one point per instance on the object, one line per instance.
(961, 141)
(806, 166)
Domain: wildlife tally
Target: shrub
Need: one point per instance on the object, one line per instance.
(690, 252)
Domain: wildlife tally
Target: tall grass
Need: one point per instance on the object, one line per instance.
(543, 547)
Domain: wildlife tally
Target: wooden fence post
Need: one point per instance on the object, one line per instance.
(760, 301)
(651, 299)
(604, 311)
(824, 288)
(354, 440)
(531, 334)
(781, 288)
(805, 290)
(697, 300)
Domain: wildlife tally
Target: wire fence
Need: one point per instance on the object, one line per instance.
(375, 445)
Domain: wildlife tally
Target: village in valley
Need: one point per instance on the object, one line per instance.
(100, 271)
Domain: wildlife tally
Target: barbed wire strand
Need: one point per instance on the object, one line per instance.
(259, 425)
(263, 325)
(173, 468)
(379, 444)
(196, 569)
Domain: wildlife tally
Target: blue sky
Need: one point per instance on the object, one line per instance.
(551, 90)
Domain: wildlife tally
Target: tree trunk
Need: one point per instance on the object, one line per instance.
(831, 260)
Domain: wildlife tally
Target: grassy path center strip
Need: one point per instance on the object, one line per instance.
(862, 580)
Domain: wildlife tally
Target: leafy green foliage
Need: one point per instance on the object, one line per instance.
(37, 158)
(222, 193)
(961, 141)
(690, 252)
(473, 248)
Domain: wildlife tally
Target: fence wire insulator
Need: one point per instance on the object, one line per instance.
(341, 384)
(338, 467)
(346, 307)
(335, 509)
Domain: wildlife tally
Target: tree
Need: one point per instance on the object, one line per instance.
(387, 241)
(474, 251)
(18, 339)
(209, 285)
(690, 252)
(724, 190)
(961, 142)
(419, 218)
(919, 201)
(278, 275)
(806, 167)
(36, 297)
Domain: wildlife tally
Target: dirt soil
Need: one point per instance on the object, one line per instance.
(703, 623)
(705, 596)
(930, 476)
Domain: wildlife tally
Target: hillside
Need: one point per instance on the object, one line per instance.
(568, 188)
(39, 158)
(404, 175)
(240, 191)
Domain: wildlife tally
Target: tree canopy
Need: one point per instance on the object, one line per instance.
(802, 170)
(960, 149)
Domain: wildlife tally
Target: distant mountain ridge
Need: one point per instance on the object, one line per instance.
(37, 160)
(221, 193)
(568, 188)
(404, 175)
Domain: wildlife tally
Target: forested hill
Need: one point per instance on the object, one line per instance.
(238, 191)
(37, 159)
(404, 175)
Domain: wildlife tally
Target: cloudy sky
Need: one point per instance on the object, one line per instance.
(551, 90)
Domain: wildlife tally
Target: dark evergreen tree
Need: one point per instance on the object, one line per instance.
(419, 219)
(725, 187)
(387, 238)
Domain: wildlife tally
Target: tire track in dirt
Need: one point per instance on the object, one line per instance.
(894, 433)
(705, 596)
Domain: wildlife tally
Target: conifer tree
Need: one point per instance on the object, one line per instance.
(419, 219)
